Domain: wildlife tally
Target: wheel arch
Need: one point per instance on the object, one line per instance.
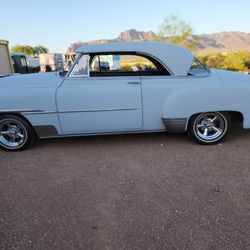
(20, 116)
(235, 116)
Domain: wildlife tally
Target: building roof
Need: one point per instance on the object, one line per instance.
(177, 59)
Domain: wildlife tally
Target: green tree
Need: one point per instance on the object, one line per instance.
(29, 50)
(213, 61)
(247, 63)
(176, 31)
(40, 49)
(236, 61)
(26, 49)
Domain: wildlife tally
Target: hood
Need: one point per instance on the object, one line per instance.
(232, 77)
(31, 80)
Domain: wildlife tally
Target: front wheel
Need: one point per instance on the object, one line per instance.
(209, 128)
(15, 133)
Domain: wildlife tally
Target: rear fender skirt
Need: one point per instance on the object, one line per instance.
(175, 125)
(46, 131)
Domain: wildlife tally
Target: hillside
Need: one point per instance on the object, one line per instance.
(208, 43)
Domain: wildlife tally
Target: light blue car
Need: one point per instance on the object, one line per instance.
(124, 88)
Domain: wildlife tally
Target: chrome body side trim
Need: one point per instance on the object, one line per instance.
(95, 110)
(38, 112)
(175, 125)
(20, 111)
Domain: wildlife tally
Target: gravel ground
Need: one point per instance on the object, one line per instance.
(151, 191)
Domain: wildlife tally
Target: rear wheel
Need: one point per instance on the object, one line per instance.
(209, 128)
(15, 133)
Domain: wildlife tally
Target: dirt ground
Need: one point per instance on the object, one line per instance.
(151, 191)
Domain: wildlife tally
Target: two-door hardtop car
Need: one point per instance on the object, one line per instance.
(124, 88)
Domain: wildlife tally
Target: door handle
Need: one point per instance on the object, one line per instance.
(134, 82)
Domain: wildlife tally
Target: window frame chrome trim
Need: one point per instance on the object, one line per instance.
(70, 73)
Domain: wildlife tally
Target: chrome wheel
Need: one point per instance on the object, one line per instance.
(209, 128)
(13, 134)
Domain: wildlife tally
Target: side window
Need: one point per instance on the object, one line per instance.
(23, 61)
(81, 67)
(123, 64)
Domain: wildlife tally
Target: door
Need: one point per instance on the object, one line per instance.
(90, 103)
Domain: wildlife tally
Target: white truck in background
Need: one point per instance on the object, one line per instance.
(19, 63)
(51, 61)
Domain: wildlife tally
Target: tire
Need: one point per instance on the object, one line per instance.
(15, 133)
(209, 128)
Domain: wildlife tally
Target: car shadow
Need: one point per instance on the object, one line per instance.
(236, 134)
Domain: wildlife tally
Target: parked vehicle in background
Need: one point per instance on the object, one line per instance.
(54, 60)
(5, 60)
(24, 64)
(20, 63)
(34, 64)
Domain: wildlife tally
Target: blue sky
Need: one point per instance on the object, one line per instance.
(58, 23)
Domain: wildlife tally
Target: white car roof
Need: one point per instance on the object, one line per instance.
(177, 59)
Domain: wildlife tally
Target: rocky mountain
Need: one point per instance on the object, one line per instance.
(134, 35)
(126, 36)
(223, 42)
(207, 43)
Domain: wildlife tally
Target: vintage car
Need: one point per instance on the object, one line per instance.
(124, 88)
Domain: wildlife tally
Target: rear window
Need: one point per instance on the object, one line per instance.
(198, 69)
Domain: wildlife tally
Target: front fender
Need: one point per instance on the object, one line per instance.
(36, 104)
